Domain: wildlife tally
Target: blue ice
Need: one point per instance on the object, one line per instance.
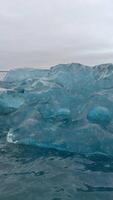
(68, 107)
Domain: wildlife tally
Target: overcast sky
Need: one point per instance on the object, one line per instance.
(35, 33)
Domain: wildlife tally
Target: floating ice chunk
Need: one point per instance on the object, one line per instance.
(22, 74)
(68, 107)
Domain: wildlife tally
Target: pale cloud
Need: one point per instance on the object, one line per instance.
(47, 32)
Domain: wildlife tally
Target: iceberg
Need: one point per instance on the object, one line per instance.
(68, 107)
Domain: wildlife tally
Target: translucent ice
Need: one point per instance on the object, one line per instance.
(68, 107)
(22, 74)
(99, 115)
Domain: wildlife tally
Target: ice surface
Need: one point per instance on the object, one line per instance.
(21, 74)
(68, 107)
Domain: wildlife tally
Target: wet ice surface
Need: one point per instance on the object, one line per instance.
(83, 126)
(36, 173)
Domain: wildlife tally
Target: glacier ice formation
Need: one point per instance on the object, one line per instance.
(67, 107)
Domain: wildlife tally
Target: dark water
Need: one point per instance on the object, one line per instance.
(40, 174)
